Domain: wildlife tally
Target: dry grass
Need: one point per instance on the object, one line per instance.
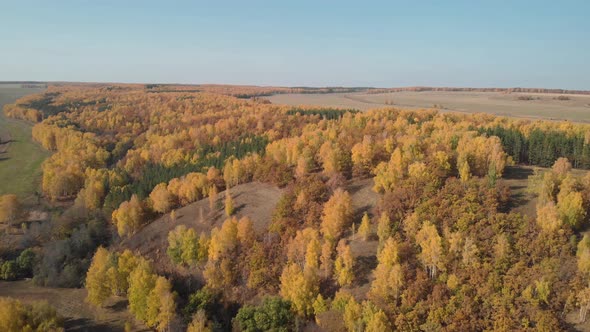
(541, 106)
(253, 200)
(517, 179)
(70, 303)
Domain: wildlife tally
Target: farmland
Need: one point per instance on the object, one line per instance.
(547, 106)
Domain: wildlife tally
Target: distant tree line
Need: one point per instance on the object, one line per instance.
(45, 106)
(455, 89)
(324, 113)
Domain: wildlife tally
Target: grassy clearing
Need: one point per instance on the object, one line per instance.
(20, 163)
(517, 179)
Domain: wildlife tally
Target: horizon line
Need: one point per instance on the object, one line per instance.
(426, 87)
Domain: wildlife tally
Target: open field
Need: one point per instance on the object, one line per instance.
(70, 304)
(20, 157)
(540, 105)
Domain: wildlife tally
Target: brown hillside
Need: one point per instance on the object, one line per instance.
(253, 200)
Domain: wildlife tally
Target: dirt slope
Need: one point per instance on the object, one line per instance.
(255, 200)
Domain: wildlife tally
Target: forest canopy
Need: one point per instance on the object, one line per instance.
(442, 247)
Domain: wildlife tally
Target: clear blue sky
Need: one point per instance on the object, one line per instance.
(313, 43)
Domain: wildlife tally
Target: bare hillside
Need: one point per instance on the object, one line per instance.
(253, 200)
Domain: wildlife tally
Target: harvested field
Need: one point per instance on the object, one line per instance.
(522, 105)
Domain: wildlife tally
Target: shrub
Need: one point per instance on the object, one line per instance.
(274, 314)
(16, 316)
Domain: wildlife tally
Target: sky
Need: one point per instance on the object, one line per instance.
(471, 43)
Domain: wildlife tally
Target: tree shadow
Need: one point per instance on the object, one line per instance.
(358, 214)
(233, 194)
(517, 173)
(363, 267)
(239, 208)
(517, 200)
(119, 306)
(88, 325)
(354, 188)
(328, 287)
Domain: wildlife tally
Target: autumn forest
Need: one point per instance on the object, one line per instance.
(209, 208)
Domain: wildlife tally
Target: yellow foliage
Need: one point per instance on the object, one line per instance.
(431, 244)
(571, 209)
(388, 274)
(337, 215)
(229, 204)
(199, 323)
(583, 254)
(561, 167)
(299, 288)
(161, 199)
(39, 316)
(365, 227)
(97, 279)
(10, 208)
(344, 265)
(548, 217)
(129, 216)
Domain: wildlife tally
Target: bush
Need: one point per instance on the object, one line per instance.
(9, 271)
(63, 263)
(21, 267)
(183, 246)
(274, 314)
(16, 316)
(203, 299)
(25, 262)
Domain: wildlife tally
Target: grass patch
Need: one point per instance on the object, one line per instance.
(20, 165)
